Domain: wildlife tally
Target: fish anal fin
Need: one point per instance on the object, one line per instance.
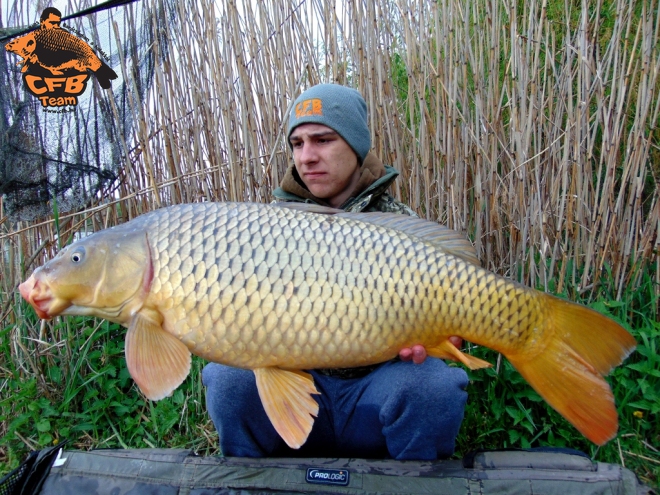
(156, 359)
(581, 347)
(287, 398)
(447, 350)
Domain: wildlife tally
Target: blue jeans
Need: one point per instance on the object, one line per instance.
(400, 410)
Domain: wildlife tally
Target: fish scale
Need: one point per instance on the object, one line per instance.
(319, 276)
(278, 289)
(59, 46)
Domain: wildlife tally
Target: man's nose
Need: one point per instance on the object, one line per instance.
(308, 153)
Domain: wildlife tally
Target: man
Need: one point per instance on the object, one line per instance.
(395, 409)
(50, 18)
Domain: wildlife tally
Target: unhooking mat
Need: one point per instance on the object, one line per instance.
(178, 472)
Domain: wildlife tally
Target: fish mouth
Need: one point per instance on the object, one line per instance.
(38, 294)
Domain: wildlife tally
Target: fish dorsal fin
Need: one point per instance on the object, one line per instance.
(287, 398)
(157, 360)
(447, 240)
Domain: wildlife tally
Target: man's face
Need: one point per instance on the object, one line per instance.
(325, 162)
(53, 21)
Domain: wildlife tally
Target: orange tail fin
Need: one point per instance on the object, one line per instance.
(583, 346)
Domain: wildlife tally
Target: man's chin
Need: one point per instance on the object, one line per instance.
(317, 181)
(319, 191)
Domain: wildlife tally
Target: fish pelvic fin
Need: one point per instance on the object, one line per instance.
(447, 350)
(156, 359)
(582, 347)
(287, 398)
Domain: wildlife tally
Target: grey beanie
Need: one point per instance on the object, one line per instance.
(341, 108)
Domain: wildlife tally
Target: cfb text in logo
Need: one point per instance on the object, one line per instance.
(56, 91)
(308, 108)
(327, 476)
(56, 64)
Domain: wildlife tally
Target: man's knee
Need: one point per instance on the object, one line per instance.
(219, 376)
(424, 410)
(447, 384)
(428, 395)
(431, 381)
(234, 405)
(229, 391)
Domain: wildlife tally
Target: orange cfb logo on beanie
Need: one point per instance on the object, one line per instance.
(306, 108)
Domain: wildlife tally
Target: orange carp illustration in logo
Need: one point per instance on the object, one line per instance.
(51, 50)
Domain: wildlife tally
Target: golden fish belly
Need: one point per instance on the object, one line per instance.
(250, 287)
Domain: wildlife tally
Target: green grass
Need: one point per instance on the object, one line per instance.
(91, 399)
(77, 387)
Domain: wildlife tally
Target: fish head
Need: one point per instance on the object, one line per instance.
(107, 274)
(23, 46)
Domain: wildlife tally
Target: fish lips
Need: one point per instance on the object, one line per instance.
(38, 295)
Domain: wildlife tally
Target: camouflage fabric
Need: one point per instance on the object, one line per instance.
(171, 471)
(380, 202)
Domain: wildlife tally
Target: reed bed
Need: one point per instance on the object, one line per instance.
(531, 126)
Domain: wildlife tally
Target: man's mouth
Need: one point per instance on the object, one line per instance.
(315, 175)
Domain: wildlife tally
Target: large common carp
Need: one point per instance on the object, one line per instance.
(282, 289)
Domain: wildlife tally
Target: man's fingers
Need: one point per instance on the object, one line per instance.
(406, 354)
(418, 354)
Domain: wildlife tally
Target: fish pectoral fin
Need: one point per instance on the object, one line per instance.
(447, 350)
(287, 398)
(157, 360)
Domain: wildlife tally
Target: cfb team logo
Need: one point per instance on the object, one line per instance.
(56, 64)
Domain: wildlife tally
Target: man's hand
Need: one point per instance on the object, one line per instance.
(417, 353)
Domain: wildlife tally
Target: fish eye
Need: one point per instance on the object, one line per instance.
(78, 255)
